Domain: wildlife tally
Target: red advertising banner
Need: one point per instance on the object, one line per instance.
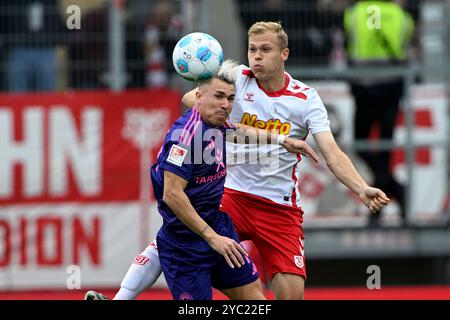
(80, 146)
(75, 194)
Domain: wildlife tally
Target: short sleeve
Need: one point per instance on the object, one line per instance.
(178, 159)
(243, 72)
(241, 68)
(315, 114)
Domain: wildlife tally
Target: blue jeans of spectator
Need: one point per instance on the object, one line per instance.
(31, 69)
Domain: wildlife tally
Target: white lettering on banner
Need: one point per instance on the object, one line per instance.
(81, 152)
(28, 152)
(66, 148)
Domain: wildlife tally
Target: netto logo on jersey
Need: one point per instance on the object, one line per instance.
(274, 125)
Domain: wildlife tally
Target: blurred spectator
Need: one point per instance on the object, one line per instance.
(334, 12)
(162, 32)
(88, 50)
(30, 32)
(378, 40)
(136, 23)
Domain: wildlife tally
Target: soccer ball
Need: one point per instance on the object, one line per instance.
(197, 56)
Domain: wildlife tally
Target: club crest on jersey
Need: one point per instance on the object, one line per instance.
(177, 155)
(298, 260)
(249, 96)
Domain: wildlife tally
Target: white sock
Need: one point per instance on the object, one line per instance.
(142, 274)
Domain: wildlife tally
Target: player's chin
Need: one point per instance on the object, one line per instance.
(261, 75)
(220, 120)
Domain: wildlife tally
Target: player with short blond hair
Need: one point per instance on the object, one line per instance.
(269, 26)
(182, 221)
(264, 203)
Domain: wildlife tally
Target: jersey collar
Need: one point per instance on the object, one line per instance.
(277, 93)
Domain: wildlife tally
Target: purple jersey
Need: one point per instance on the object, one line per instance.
(196, 152)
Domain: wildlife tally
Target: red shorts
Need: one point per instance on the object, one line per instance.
(275, 229)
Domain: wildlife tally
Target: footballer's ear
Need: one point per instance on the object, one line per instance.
(285, 54)
(198, 95)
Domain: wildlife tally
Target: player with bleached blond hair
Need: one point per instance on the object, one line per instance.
(197, 239)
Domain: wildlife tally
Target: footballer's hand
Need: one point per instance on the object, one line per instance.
(300, 147)
(374, 198)
(232, 251)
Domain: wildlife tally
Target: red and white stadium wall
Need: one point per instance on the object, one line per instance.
(325, 201)
(75, 193)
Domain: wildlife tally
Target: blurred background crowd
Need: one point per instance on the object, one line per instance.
(37, 43)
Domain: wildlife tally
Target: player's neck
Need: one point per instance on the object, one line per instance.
(275, 83)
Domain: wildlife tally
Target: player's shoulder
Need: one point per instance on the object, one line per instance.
(299, 85)
(189, 117)
(301, 89)
(245, 71)
(186, 127)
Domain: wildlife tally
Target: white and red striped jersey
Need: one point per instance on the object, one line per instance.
(270, 171)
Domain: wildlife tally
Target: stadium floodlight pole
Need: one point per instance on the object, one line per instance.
(204, 21)
(190, 11)
(116, 77)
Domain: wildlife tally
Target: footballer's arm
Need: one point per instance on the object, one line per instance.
(245, 134)
(344, 170)
(178, 201)
(189, 98)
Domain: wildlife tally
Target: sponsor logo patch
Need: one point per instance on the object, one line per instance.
(249, 96)
(177, 155)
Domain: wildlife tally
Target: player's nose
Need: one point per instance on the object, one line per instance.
(226, 104)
